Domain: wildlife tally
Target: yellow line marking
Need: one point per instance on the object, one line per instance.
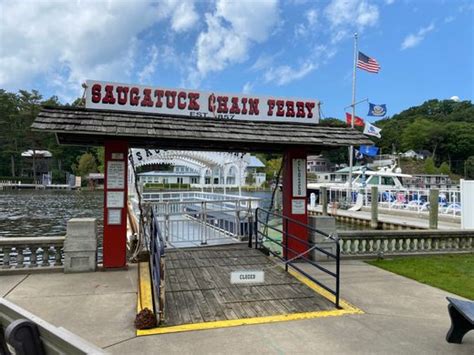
(146, 300)
(145, 297)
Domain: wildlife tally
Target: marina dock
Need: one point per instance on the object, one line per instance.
(393, 221)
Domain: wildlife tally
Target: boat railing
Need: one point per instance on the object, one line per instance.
(416, 200)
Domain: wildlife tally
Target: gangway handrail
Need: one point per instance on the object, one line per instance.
(157, 251)
(290, 262)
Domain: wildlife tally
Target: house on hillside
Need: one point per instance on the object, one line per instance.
(418, 154)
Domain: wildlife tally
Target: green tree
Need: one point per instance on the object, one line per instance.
(444, 169)
(272, 167)
(469, 168)
(86, 164)
(430, 167)
(100, 155)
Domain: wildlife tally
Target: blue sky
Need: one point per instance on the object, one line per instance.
(291, 49)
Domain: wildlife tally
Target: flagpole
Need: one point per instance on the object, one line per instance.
(351, 148)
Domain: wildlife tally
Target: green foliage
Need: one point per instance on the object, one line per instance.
(250, 179)
(100, 156)
(444, 169)
(430, 167)
(272, 167)
(86, 164)
(17, 112)
(445, 128)
(469, 167)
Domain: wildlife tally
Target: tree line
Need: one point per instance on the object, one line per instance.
(17, 113)
(445, 128)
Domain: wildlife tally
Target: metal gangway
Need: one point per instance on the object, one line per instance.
(193, 218)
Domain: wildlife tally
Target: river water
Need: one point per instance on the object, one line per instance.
(32, 213)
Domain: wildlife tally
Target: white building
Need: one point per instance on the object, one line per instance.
(200, 169)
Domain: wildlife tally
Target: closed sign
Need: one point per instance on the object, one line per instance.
(247, 277)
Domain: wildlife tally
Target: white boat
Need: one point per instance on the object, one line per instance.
(386, 179)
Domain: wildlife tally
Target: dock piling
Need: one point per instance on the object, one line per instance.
(434, 197)
(374, 218)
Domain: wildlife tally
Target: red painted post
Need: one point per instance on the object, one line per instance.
(115, 204)
(294, 200)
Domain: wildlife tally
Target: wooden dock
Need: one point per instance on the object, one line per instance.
(198, 288)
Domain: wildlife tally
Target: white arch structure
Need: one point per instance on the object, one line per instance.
(202, 162)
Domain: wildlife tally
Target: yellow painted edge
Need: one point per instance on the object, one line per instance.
(244, 321)
(144, 295)
(329, 296)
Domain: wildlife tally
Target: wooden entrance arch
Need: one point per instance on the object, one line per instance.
(118, 131)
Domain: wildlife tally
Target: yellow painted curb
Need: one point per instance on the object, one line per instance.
(145, 299)
(145, 296)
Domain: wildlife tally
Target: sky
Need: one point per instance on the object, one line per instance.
(294, 48)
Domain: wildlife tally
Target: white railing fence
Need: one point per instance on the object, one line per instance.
(407, 199)
(201, 218)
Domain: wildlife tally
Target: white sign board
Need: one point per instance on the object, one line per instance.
(114, 217)
(199, 104)
(115, 174)
(299, 177)
(298, 206)
(247, 277)
(115, 199)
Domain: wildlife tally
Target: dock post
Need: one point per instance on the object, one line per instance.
(374, 218)
(434, 197)
(324, 199)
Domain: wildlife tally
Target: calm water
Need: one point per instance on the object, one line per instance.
(30, 213)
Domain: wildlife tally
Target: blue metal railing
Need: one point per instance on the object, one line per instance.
(157, 250)
(293, 258)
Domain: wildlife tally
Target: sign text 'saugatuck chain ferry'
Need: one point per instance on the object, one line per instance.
(193, 103)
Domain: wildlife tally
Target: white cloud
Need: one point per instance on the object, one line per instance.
(70, 41)
(150, 66)
(412, 40)
(182, 13)
(311, 20)
(248, 87)
(347, 15)
(389, 2)
(285, 74)
(449, 19)
(232, 29)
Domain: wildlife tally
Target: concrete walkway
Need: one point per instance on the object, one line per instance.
(401, 317)
(414, 221)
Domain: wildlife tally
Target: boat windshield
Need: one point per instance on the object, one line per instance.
(388, 180)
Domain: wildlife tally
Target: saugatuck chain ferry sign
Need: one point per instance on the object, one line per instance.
(198, 104)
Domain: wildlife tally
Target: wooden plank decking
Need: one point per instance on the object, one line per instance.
(198, 288)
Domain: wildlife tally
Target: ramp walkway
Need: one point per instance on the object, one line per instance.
(198, 287)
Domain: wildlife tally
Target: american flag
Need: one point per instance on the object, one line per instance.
(366, 63)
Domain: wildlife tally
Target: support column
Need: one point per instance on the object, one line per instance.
(115, 204)
(324, 199)
(294, 201)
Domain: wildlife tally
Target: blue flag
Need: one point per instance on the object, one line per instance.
(377, 110)
(369, 150)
